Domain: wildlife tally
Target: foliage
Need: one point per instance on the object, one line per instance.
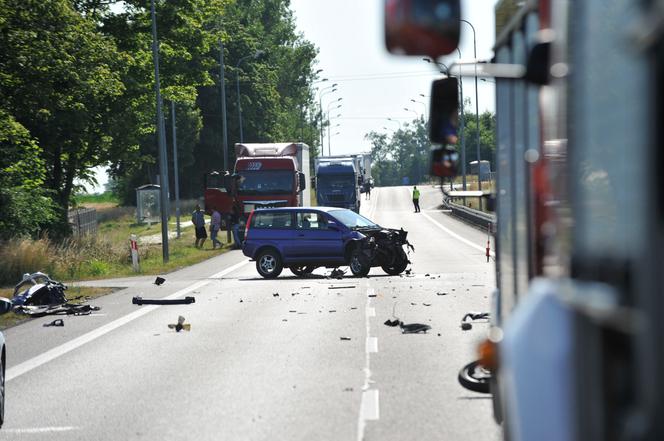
(24, 205)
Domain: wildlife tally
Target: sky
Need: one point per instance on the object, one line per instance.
(374, 85)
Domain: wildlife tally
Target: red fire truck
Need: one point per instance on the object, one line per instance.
(265, 175)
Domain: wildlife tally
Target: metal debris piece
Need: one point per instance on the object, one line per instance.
(333, 310)
(353, 307)
(341, 287)
(441, 293)
(159, 280)
(426, 304)
(276, 294)
(180, 325)
(408, 271)
(345, 338)
(414, 328)
(392, 323)
(372, 295)
(56, 322)
(337, 274)
(141, 301)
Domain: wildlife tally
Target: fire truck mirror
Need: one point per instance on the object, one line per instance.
(302, 180)
(444, 111)
(422, 27)
(537, 69)
(444, 162)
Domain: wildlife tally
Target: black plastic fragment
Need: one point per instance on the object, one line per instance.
(56, 322)
(159, 280)
(141, 301)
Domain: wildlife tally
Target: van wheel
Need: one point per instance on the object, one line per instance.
(397, 267)
(474, 377)
(268, 264)
(359, 264)
(301, 271)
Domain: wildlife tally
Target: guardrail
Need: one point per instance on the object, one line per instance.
(472, 216)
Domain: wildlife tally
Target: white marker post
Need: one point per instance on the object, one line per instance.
(133, 240)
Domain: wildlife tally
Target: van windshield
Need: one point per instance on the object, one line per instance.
(266, 182)
(352, 219)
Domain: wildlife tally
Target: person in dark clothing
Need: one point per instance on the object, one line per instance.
(236, 223)
(198, 219)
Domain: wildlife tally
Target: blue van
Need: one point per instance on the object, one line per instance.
(303, 239)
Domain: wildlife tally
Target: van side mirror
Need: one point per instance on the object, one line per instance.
(422, 27)
(302, 181)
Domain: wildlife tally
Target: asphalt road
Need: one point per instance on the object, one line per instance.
(287, 359)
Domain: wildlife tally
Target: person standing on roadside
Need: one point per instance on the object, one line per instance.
(215, 226)
(235, 222)
(416, 199)
(198, 219)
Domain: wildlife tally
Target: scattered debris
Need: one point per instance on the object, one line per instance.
(56, 322)
(353, 307)
(439, 334)
(472, 316)
(294, 293)
(441, 293)
(276, 294)
(141, 301)
(292, 311)
(392, 323)
(426, 304)
(38, 295)
(413, 304)
(345, 338)
(348, 389)
(333, 310)
(301, 313)
(340, 286)
(337, 274)
(414, 328)
(373, 295)
(159, 280)
(180, 325)
(408, 271)
(241, 301)
(284, 320)
(427, 275)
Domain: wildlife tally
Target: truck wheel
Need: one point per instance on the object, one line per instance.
(397, 267)
(359, 264)
(302, 270)
(268, 264)
(474, 377)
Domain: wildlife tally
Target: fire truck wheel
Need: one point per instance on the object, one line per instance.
(269, 264)
(474, 377)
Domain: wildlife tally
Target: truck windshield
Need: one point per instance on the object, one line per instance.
(336, 181)
(352, 219)
(265, 182)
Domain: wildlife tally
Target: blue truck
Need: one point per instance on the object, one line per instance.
(338, 183)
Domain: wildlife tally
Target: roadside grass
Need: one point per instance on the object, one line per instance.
(75, 294)
(106, 197)
(104, 255)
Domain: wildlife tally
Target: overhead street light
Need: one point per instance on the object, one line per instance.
(417, 115)
(256, 54)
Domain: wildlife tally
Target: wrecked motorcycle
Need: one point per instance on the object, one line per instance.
(39, 295)
(383, 247)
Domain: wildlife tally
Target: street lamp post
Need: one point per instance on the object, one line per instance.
(161, 132)
(176, 172)
(222, 86)
(256, 54)
(322, 93)
(394, 120)
(423, 105)
(329, 147)
(477, 111)
(417, 115)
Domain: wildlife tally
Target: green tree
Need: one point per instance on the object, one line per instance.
(24, 206)
(60, 79)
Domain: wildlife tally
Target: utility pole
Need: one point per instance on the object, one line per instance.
(176, 172)
(163, 164)
(222, 81)
(477, 113)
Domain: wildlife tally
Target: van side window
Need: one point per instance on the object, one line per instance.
(311, 221)
(272, 220)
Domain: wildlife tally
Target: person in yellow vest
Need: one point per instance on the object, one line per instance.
(416, 199)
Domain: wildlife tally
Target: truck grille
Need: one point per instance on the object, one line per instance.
(336, 198)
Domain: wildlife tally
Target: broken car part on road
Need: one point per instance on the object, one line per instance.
(180, 325)
(141, 301)
(38, 295)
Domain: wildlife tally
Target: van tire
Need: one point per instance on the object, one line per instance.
(359, 263)
(269, 263)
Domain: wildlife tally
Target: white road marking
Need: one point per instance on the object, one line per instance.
(456, 236)
(41, 430)
(52, 354)
(369, 407)
(372, 345)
